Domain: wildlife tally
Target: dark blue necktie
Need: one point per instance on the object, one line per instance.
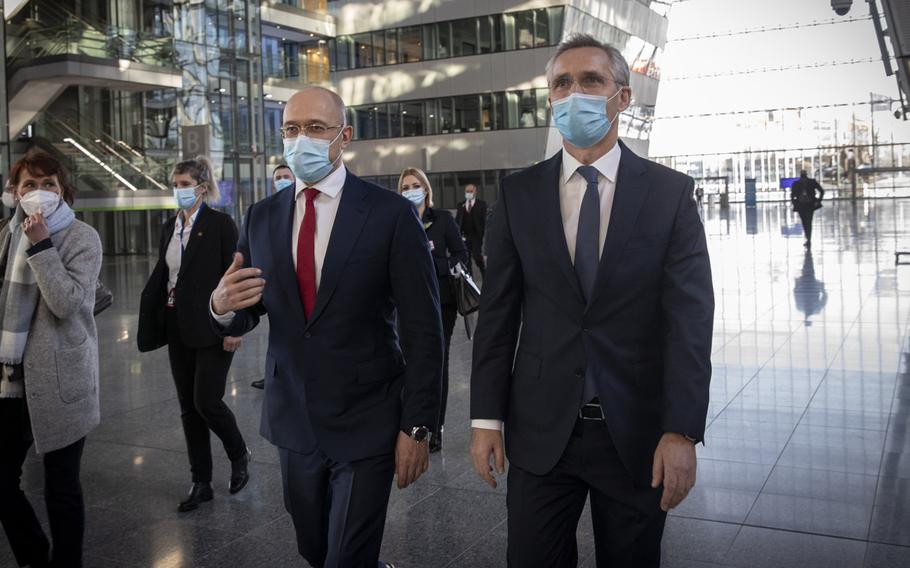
(587, 257)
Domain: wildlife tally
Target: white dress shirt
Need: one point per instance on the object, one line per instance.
(326, 206)
(173, 256)
(572, 189)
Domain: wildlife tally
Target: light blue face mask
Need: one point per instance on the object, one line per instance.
(308, 157)
(415, 196)
(185, 196)
(468, 196)
(582, 119)
(284, 183)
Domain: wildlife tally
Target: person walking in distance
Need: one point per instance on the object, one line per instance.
(806, 195)
(471, 218)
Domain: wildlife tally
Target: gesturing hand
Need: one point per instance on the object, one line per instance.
(35, 228)
(486, 443)
(674, 466)
(412, 459)
(239, 288)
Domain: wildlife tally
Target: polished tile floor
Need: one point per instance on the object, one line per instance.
(806, 462)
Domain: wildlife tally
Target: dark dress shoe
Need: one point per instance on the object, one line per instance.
(240, 472)
(386, 564)
(435, 442)
(260, 384)
(200, 493)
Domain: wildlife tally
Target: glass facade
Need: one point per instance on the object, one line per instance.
(451, 115)
(493, 33)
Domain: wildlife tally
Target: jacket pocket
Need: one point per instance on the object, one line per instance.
(527, 366)
(75, 372)
(379, 370)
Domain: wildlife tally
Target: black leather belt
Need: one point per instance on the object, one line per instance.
(591, 411)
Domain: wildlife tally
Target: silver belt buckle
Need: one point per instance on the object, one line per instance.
(589, 405)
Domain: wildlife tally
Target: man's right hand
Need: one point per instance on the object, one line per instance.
(485, 442)
(239, 288)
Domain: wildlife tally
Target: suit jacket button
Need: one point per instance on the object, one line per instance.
(579, 373)
(307, 335)
(34, 395)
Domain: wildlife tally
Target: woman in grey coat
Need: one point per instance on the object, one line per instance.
(49, 353)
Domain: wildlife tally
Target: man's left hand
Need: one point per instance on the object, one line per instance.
(674, 467)
(35, 228)
(412, 459)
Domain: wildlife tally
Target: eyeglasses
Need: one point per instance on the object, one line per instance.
(587, 83)
(313, 130)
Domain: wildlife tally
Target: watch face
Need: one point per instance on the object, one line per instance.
(420, 433)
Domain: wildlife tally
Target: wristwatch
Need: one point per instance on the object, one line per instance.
(420, 434)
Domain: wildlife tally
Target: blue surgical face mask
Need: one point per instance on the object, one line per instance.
(185, 196)
(415, 196)
(582, 119)
(284, 183)
(308, 157)
(468, 196)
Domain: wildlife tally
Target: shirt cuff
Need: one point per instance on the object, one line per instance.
(487, 424)
(39, 247)
(223, 320)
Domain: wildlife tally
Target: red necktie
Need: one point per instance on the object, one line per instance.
(306, 253)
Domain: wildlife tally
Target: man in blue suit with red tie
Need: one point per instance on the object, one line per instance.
(594, 337)
(343, 269)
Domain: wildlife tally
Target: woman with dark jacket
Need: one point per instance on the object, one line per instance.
(196, 248)
(49, 353)
(448, 249)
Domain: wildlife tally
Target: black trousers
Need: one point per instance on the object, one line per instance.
(62, 495)
(200, 376)
(449, 315)
(474, 245)
(544, 509)
(338, 509)
(805, 216)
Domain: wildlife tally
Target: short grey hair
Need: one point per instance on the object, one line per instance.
(619, 67)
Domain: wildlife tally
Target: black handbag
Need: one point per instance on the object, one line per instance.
(467, 295)
(104, 298)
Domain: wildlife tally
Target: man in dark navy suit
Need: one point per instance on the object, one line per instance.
(354, 365)
(594, 336)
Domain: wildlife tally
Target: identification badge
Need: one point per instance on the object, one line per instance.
(171, 298)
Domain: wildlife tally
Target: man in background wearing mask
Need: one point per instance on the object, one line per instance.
(598, 258)
(471, 218)
(348, 400)
(282, 178)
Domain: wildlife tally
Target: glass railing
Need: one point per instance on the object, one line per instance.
(100, 161)
(74, 38)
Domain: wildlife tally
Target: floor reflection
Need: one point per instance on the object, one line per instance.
(808, 291)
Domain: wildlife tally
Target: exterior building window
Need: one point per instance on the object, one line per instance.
(485, 34)
(464, 37)
(443, 40)
(541, 28)
(431, 117)
(410, 41)
(446, 115)
(428, 40)
(391, 46)
(291, 61)
(508, 32)
(343, 53)
(363, 50)
(378, 48)
(364, 123)
(271, 57)
(394, 120)
(412, 119)
(467, 113)
(556, 14)
(524, 29)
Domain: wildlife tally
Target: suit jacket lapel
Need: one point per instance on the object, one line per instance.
(632, 191)
(193, 243)
(552, 223)
(281, 222)
(349, 220)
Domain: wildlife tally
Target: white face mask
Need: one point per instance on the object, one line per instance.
(39, 200)
(9, 200)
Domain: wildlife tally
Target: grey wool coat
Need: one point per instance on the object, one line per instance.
(61, 356)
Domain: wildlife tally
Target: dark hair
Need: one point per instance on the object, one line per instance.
(280, 166)
(40, 163)
(200, 169)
